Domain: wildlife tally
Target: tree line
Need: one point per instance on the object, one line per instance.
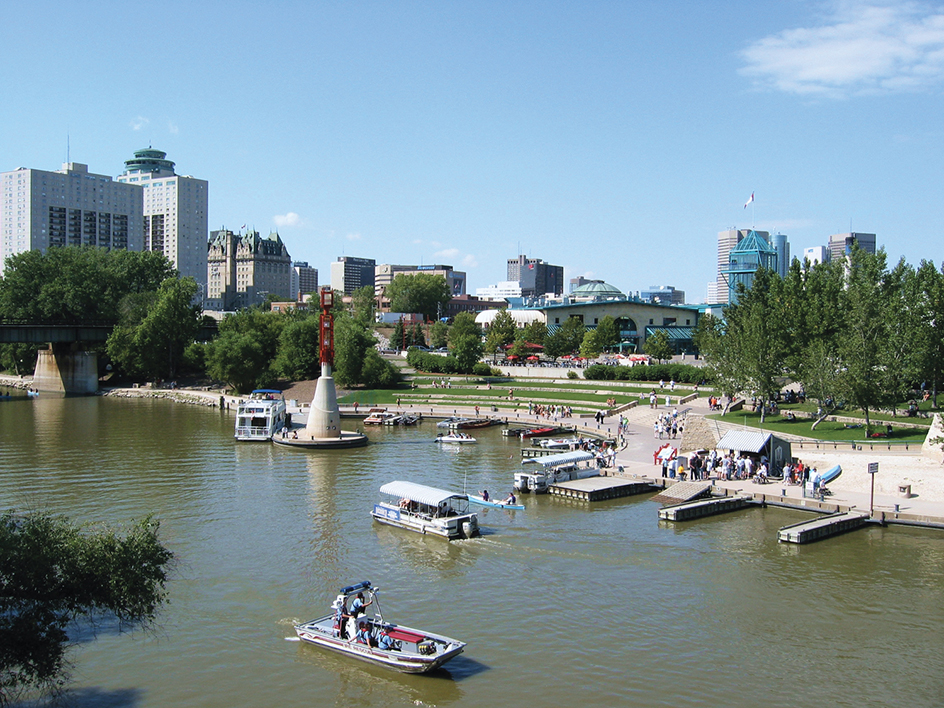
(156, 319)
(853, 332)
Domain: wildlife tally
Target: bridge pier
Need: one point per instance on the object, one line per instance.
(59, 369)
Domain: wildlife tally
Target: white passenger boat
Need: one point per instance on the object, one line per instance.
(261, 415)
(426, 510)
(456, 438)
(380, 642)
(555, 468)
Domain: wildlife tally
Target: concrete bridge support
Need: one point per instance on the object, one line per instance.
(59, 369)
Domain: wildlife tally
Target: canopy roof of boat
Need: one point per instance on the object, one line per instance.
(419, 493)
(266, 391)
(565, 458)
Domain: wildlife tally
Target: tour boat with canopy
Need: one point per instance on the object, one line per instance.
(260, 416)
(358, 628)
(555, 468)
(427, 510)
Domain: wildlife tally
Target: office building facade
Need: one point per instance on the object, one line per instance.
(840, 245)
(349, 273)
(304, 279)
(68, 207)
(175, 211)
(386, 272)
(536, 277)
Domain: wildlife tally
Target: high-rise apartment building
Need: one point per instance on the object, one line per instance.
(535, 276)
(68, 207)
(840, 245)
(175, 211)
(244, 270)
(349, 273)
(304, 279)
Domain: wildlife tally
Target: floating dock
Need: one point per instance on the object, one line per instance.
(683, 492)
(704, 507)
(598, 488)
(823, 527)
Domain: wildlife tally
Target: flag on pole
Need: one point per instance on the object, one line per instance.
(749, 200)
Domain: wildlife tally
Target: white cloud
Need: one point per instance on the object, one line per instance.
(353, 237)
(172, 127)
(290, 219)
(139, 123)
(449, 254)
(469, 261)
(859, 49)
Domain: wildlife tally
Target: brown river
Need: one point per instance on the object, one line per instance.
(563, 604)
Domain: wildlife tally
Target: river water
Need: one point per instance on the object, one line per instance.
(563, 604)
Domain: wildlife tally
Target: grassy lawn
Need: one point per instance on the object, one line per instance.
(827, 430)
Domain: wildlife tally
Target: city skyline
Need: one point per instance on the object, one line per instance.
(606, 138)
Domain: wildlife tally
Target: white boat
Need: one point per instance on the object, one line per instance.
(427, 510)
(388, 644)
(554, 468)
(448, 422)
(495, 504)
(261, 415)
(456, 438)
(557, 443)
(379, 416)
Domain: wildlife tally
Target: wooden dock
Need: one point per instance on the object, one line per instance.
(528, 452)
(704, 507)
(822, 527)
(598, 488)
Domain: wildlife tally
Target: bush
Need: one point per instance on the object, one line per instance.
(480, 368)
(432, 363)
(680, 373)
(572, 375)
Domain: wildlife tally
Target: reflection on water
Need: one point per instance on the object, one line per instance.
(561, 604)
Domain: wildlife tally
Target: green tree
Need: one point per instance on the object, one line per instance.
(423, 292)
(500, 332)
(866, 378)
(534, 332)
(607, 334)
(363, 305)
(465, 341)
(155, 330)
(929, 339)
(591, 346)
(356, 361)
(243, 353)
(53, 573)
(438, 334)
(75, 284)
(753, 353)
(566, 340)
(657, 346)
(298, 356)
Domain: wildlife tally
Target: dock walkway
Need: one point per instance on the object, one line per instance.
(599, 488)
(822, 527)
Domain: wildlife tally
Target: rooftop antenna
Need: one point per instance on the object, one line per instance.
(68, 149)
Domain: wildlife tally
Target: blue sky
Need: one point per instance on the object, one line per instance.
(613, 138)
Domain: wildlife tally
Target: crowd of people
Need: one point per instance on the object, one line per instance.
(667, 426)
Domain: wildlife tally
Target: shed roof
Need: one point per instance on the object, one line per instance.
(744, 441)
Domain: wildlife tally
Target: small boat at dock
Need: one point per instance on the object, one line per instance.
(555, 468)
(359, 629)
